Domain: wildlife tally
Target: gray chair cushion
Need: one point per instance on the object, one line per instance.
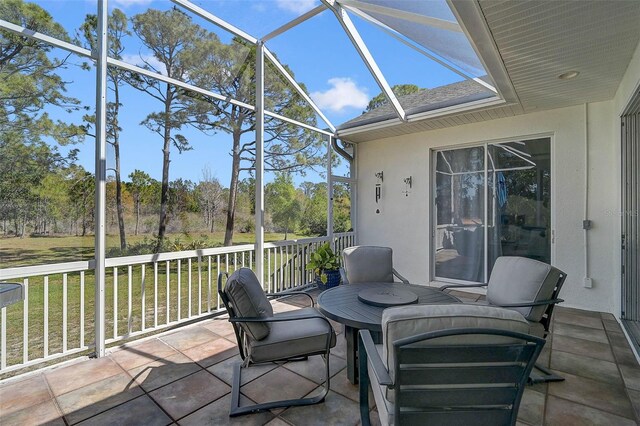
(520, 280)
(248, 299)
(407, 321)
(368, 264)
(289, 339)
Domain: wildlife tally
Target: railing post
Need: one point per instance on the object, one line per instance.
(100, 178)
(259, 206)
(353, 173)
(329, 195)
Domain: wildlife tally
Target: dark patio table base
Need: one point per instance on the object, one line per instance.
(341, 304)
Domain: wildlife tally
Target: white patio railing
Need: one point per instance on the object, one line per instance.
(143, 294)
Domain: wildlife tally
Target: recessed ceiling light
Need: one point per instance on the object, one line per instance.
(569, 75)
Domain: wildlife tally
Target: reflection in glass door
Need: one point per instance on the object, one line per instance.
(460, 194)
(515, 180)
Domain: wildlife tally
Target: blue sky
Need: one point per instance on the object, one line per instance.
(318, 52)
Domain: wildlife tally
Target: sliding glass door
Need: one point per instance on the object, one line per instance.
(491, 200)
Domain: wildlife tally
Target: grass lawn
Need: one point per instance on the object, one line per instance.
(158, 296)
(43, 250)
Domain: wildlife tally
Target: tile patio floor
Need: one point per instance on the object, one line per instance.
(183, 377)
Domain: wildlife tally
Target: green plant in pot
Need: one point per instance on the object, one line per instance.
(325, 263)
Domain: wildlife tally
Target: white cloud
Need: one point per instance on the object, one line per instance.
(142, 60)
(343, 94)
(126, 3)
(296, 6)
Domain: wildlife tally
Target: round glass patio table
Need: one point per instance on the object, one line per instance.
(341, 304)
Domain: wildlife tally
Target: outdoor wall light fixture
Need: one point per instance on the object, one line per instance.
(380, 177)
(407, 186)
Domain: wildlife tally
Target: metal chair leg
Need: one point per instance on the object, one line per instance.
(548, 375)
(237, 410)
(364, 387)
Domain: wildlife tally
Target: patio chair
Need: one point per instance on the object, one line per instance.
(447, 364)
(265, 337)
(368, 264)
(530, 287)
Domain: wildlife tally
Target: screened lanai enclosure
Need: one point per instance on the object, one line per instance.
(148, 146)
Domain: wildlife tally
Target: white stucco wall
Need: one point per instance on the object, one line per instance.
(403, 222)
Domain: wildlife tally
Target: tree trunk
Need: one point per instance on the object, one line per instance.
(84, 222)
(116, 149)
(24, 227)
(137, 215)
(166, 151)
(233, 190)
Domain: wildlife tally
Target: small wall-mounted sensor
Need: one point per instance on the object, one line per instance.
(588, 282)
(586, 224)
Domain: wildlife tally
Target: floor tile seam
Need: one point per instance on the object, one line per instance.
(107, 409)
(206, 343)
(624, 382)
(612, 329)
(211, 365)
(586, 356)
(88, 384)
(241, 384)
(150, 361)
(122, 403)
(594, 408)
(46, 383)
(184, 329)
(324, 388)
(168, 383)
(561, 372)
(633, 410)
(305, 378)
(545, 409)
(219, 335)
(608, 343)
(579, 326)
(313, 381)
(52, 399)
(218, 377)
(555, 333)
(177, 419)
(560, 320)
(281, 419)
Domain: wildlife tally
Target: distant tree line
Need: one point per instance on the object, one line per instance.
(44, 191)
(52, 195)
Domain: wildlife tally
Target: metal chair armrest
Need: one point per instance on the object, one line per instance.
(526, 304)
(366, 343)
(444, 287)
(279, 319)
(400, 277)
(277, 296)
(343, 276)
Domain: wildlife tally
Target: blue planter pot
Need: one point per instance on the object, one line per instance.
(333, 280)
